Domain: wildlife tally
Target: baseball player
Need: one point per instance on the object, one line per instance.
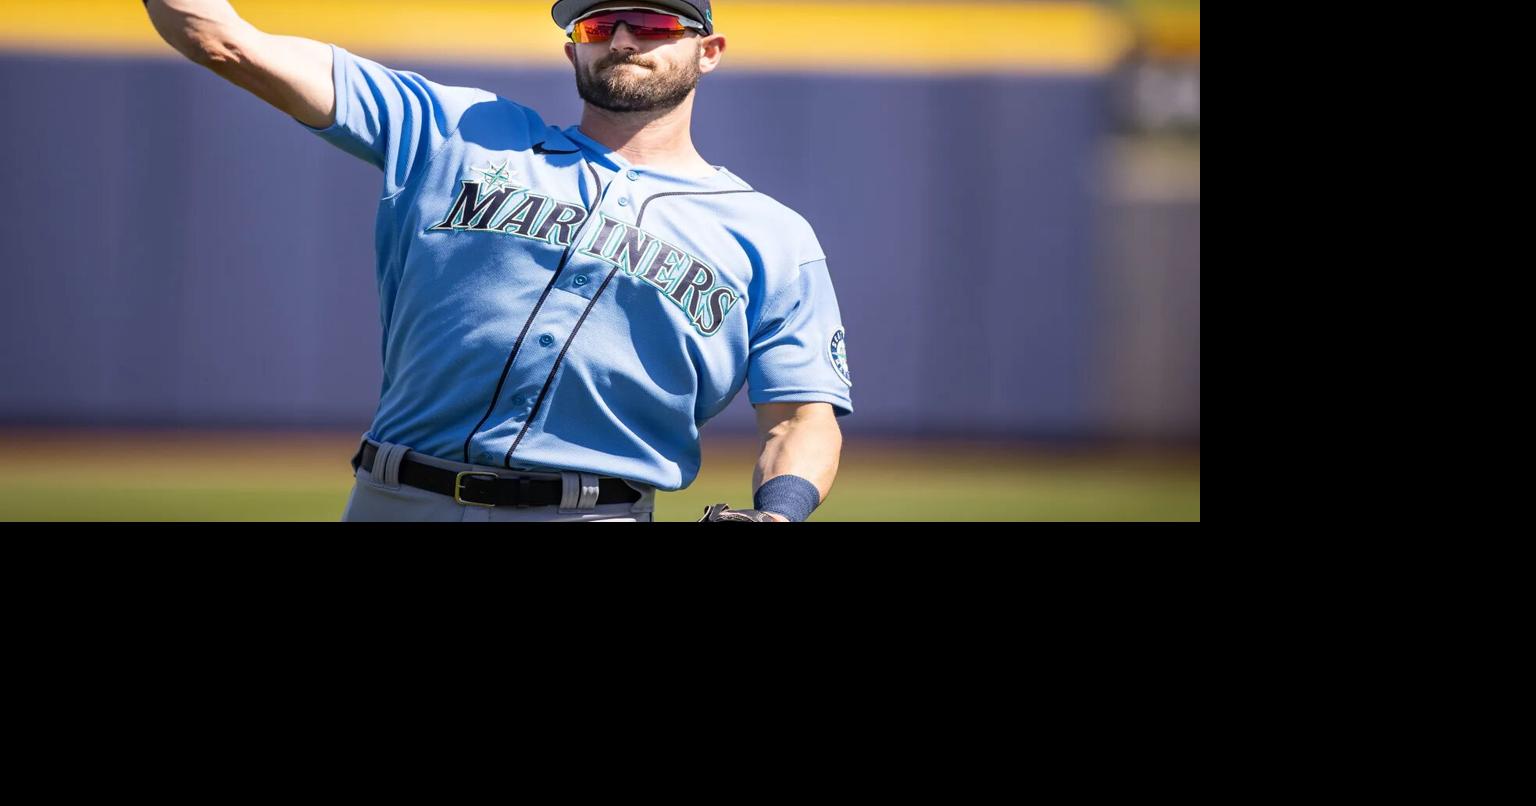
(563, 308)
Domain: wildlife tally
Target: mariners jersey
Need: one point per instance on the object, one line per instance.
(548, 305)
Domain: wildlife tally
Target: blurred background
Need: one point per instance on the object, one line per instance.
(1008, 194)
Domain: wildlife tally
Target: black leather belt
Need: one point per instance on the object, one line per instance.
(486, 489)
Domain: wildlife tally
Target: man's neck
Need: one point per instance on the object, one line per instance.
(660, 140)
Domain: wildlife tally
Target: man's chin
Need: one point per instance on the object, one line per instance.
(629, 93)
(634, 107)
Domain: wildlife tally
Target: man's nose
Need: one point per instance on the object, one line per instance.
(623, 38)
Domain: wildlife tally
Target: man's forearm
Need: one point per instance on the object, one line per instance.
(806, 446)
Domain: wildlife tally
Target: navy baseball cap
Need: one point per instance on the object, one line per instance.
(564, 11)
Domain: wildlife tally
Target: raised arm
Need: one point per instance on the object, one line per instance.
(288, 72)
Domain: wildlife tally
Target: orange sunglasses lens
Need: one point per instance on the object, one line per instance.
(644, 25)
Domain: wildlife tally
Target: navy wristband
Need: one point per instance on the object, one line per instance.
(791, 496)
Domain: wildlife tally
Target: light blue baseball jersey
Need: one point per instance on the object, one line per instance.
(548, 305)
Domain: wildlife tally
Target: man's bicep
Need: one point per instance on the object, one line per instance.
(294, 74)
(291, 73)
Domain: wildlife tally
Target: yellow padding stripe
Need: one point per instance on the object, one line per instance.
(914, 37)
(1168, 28)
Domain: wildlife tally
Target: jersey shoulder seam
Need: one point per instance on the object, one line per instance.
(738, 180)
(448, 138)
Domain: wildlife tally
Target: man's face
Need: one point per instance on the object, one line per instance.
(626, 74)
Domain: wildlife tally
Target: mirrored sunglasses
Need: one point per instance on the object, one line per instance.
(599, 27)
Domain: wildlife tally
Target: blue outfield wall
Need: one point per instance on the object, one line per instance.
(173, 251)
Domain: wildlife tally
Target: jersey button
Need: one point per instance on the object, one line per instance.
(546, 339)
(517, 402)
(581, 279)
(623, 202)
(633, 175)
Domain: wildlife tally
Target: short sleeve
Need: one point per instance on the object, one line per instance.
(393, 119)
(798, 351)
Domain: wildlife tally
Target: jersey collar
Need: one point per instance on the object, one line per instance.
(555, 142)
(574, 135)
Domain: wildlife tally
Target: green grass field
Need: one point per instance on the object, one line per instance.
(197, 476)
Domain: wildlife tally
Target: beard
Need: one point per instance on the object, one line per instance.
(636, 89)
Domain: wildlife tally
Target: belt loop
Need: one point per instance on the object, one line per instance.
(589, 491)
(357, 458)
(570, 490)
(386, 465)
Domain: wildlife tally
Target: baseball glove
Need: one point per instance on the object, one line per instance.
(721, 512)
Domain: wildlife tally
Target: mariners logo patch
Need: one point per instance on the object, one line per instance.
(837, 351)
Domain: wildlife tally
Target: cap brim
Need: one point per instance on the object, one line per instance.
(565, 11)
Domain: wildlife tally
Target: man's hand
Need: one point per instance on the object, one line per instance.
(720, 513)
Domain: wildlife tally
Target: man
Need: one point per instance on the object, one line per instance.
(563, 309)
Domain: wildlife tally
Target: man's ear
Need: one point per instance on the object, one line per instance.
(570, 53)
(710, 49)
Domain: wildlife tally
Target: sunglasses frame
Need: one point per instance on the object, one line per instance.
(688, 25)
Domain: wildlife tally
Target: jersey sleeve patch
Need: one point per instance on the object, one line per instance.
(837, 353)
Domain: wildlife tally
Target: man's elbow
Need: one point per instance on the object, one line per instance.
(214, 45)
(216, 50)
